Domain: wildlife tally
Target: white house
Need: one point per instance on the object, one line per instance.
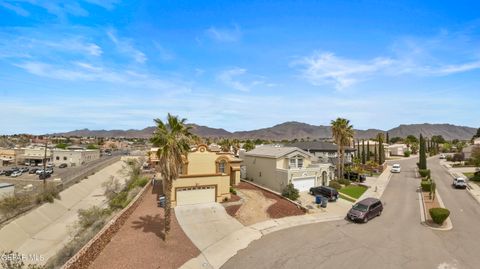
(276, 167)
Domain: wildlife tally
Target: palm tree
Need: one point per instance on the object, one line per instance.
(342, 133)
(173, 140)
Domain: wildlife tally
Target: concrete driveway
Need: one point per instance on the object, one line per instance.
(206, 224)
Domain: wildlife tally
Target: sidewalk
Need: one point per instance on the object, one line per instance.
(377, 185)
(220, 252)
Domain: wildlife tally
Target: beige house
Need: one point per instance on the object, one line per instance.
(205, 176)
(476, 141)
(276, 167)
(397, 149)
(35, 155)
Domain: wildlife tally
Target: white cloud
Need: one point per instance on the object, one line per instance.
(229, 78)
(15, 8)
(59, 8)
(224, 34)
(125, 46)
(326, 68)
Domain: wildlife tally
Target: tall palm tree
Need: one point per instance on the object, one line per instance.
(173, 140)
(342, 132)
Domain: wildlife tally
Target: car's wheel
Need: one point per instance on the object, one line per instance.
(379, 213)
(365, 220)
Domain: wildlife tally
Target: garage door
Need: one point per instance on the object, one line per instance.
(303, 184)
(195, 195)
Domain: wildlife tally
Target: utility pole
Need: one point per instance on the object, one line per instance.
(44, 173)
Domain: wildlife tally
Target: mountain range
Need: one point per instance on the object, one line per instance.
(291, 130)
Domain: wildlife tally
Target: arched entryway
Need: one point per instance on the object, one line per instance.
(324, 178)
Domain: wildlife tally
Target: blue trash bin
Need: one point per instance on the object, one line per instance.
(318, 199)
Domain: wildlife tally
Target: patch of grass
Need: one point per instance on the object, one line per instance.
(347, 198)
(469, 175)
(353, 191)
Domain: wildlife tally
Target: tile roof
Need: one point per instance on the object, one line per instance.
(273, 152)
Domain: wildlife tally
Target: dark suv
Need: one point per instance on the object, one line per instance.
(365, 210)
(328, 192)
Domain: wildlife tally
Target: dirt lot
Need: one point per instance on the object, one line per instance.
(260, 205)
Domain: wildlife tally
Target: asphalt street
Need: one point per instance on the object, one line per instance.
(396, 239)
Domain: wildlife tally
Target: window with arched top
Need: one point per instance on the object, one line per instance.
(221, 166)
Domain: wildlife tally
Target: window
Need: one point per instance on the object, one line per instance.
(296, 162)
(58, 158)
(64, 158)
(299, 162)
(293, 163)
(221, 167)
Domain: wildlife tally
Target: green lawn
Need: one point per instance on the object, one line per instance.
(468, 175)
(353, 191)
(346, 198)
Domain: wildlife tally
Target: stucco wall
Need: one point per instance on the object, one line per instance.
(263, 171)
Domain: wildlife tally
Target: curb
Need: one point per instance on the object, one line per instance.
(210, 258)
(423, 214)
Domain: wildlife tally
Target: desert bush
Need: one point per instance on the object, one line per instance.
(407, 153)
(439, 215)
(87, 217)
(334, 184)
(112, 187)
(233, 191)
(11, 204)
(133, 192)
(48, 195)
(119, 201)
(290, 192)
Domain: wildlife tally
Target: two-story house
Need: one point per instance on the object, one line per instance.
(276, 167)
(205, 176)
(324, 152)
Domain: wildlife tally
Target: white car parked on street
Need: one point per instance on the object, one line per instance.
(396, 168)
(460, 183)
(16, 174)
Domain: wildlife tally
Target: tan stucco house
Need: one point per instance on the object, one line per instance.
(275, 167)
(205, 176)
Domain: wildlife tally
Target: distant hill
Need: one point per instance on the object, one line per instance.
(291, 130)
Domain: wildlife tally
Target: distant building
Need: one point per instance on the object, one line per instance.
(10, 156)
(325, 152)
(397, 149)
(75, 157)
(476, 141)
(35, 155)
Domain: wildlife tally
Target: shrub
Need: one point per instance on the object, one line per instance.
(112, 187)
(426, 186)
(476, 177)
(334, 184)
(233, 191)
(48, 195)
(87, 217)
(11, 204)
(119, 201)
(345, 182)
(407, 153)
(290, 192)
(424, 172)
(439, 215)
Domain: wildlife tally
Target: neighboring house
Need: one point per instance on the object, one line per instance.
(324, 152)
(205, 176)
(75, 157)
(276, 167)
(476, 141)
(467, 151)
(397, 149)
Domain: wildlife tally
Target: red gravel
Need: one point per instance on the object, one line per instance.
(282, 208)
(234, 198)
(232, 210)
(139, 244)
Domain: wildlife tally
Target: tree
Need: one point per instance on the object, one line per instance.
(363, 152)
(368, 150)
(411, 139)
(414, 147)
(342, 132)
(248, 145)
(477, 135)
(396, 139)
(381, 149)
(438, 139)
(387, 139)
(422, 164)
(375, 154)
(173, 140)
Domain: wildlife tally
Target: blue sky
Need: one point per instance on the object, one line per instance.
(237, 65)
